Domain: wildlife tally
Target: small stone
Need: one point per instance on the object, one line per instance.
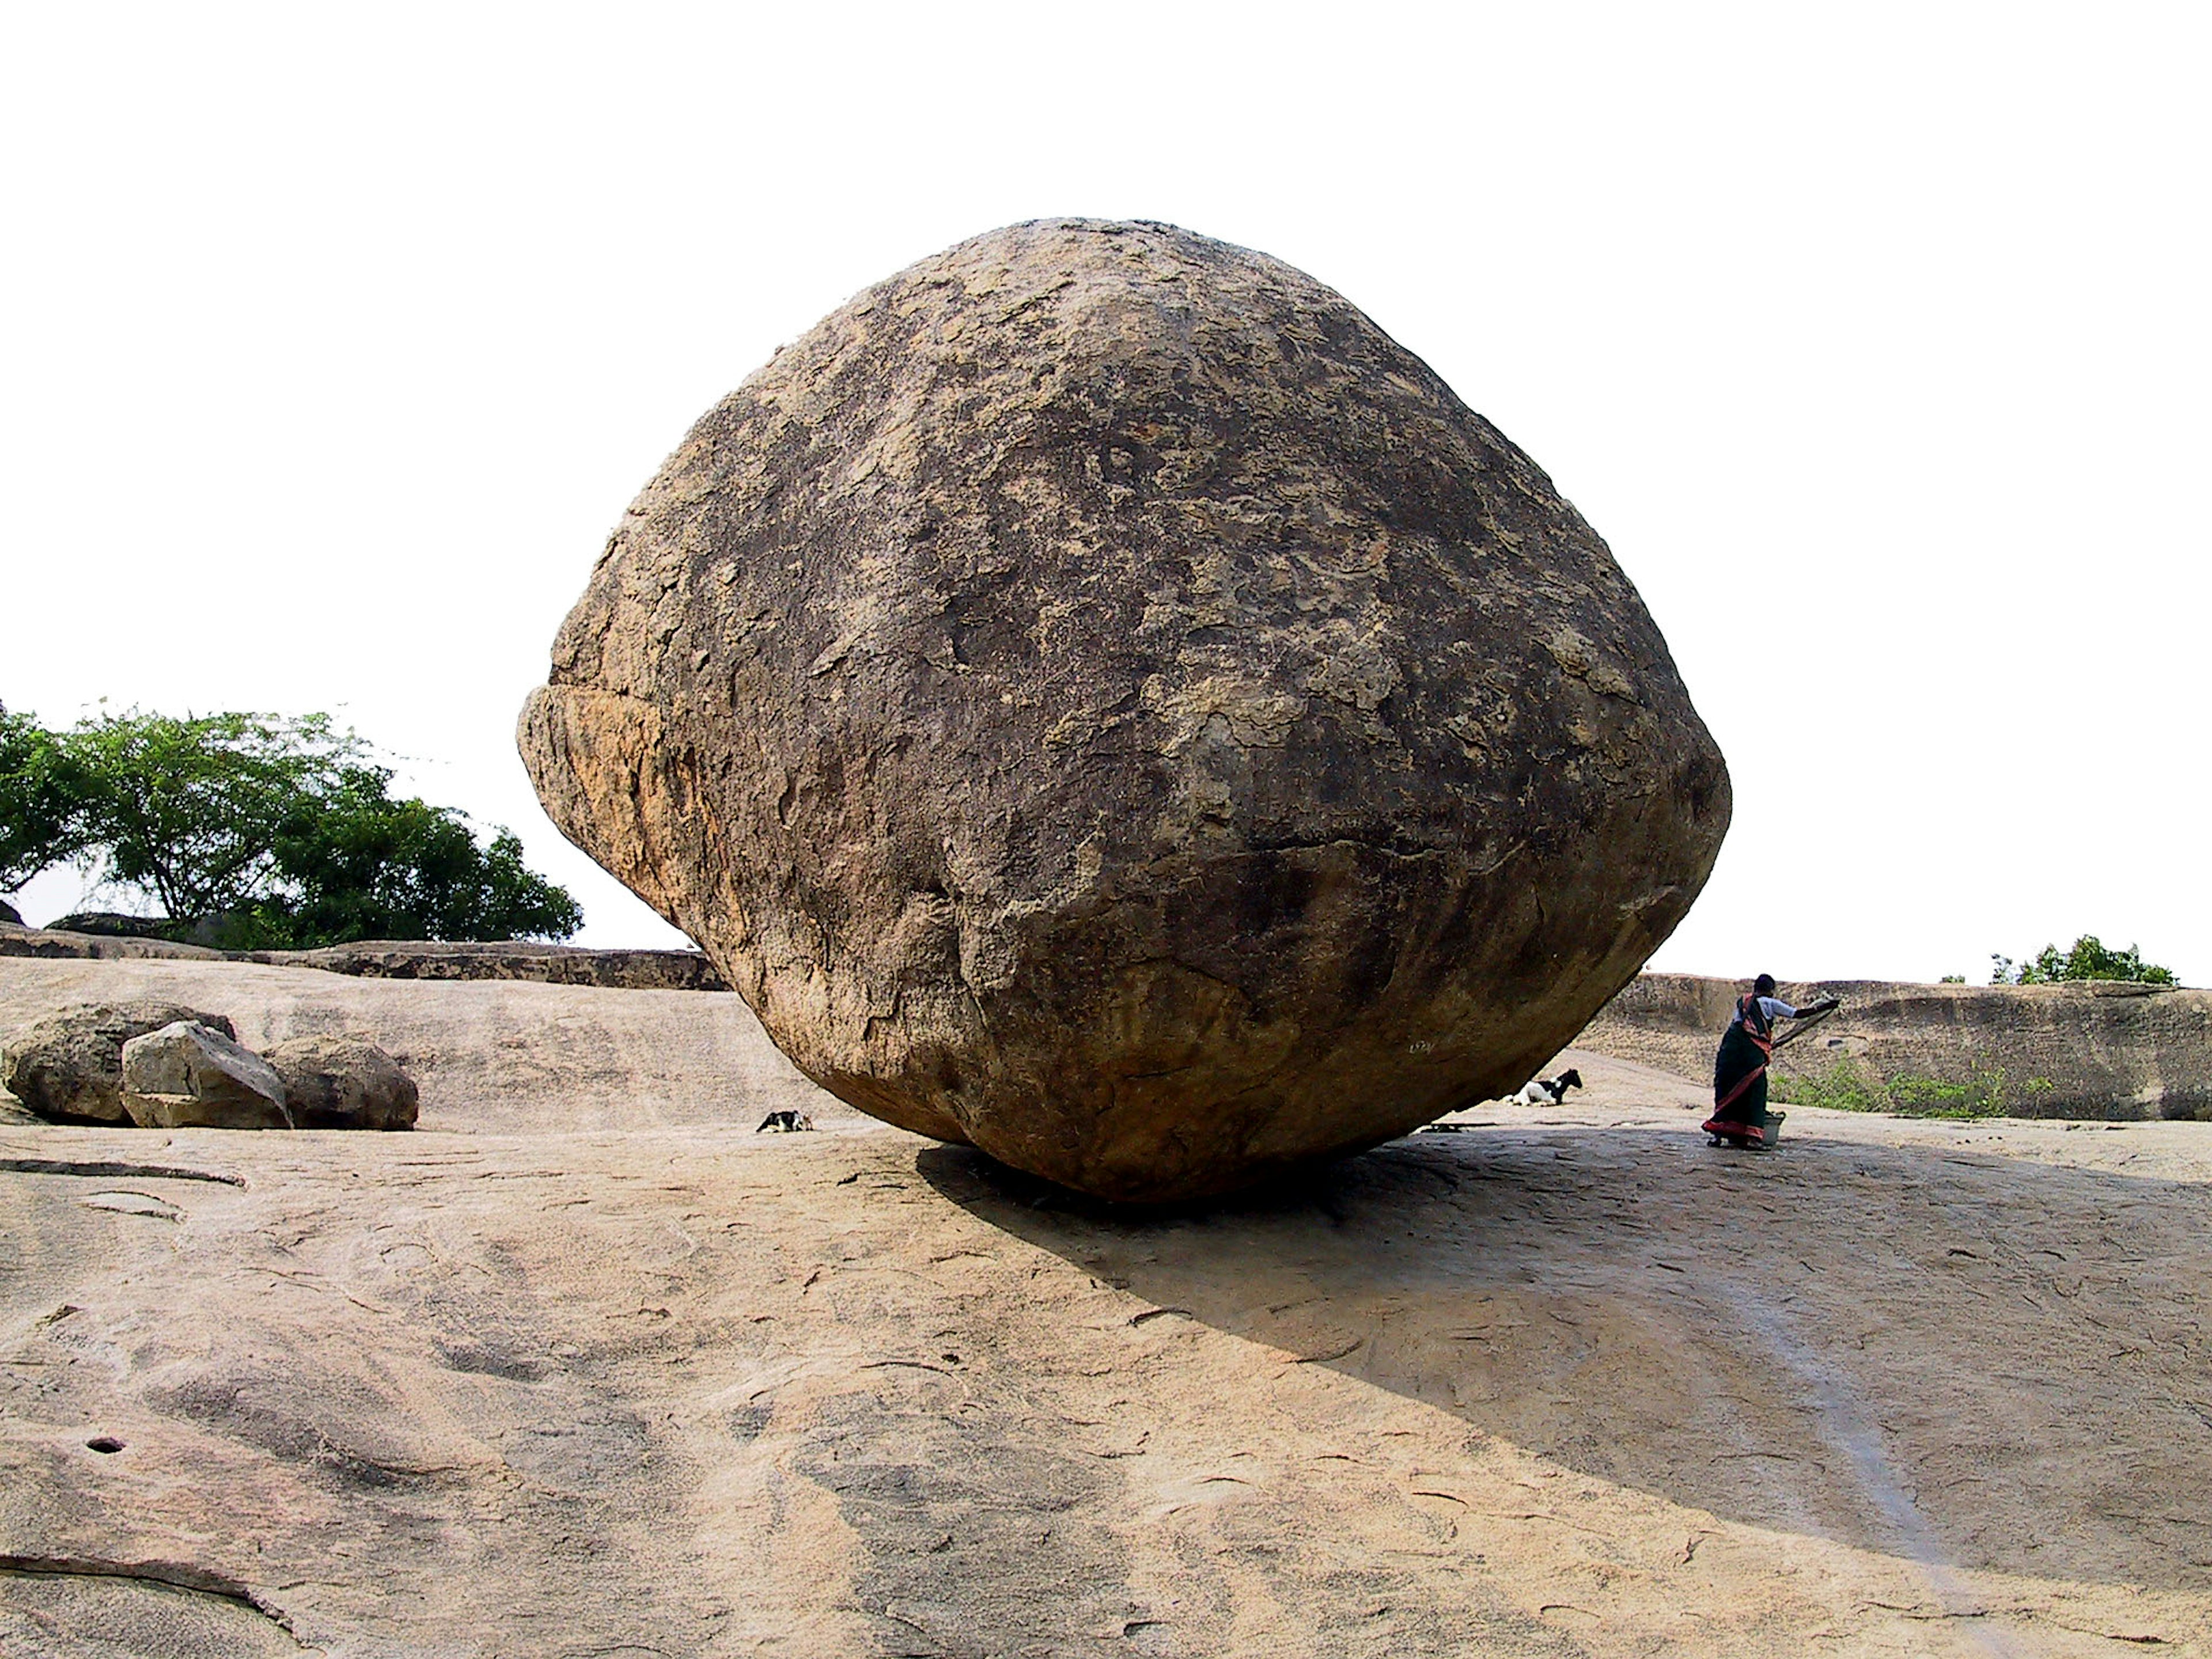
(343, 1083)
(69, 1066)
(187, 1077)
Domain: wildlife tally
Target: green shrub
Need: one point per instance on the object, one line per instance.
(1848, 1086)
(2088, 959)
(1844, 1087)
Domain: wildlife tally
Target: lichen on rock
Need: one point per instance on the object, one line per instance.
(1100, 698)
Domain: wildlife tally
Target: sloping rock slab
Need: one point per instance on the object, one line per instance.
(519, 959)
(544, 965)
(100, 947)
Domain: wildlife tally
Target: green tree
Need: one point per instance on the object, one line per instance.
(2088, 959)
(361, 865)
(260, 830)
(189, 811)
(41, 801)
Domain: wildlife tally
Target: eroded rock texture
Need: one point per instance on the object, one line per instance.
(1100, 698)
(187, 1077)
(69, 1066)
(343, 1083)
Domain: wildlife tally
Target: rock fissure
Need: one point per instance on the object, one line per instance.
(105, 1170)
(169, 1574)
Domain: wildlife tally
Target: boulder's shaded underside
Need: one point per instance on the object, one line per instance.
(1100, 698)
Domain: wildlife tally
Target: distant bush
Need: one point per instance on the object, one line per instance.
(2088, 959)
(1848, 1086)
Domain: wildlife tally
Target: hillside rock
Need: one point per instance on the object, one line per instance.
(2093, 1048)
(343, 1083)
(518, 959)
(1100, 698)
(511, 959)
(69, 1066)
(187, 1077)
(121, 924)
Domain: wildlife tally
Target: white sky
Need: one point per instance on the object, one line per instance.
(1873, 338)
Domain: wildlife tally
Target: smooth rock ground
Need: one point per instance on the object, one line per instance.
(1102, 699)
(580, 1369)
(68, 1063)
(187, 1077)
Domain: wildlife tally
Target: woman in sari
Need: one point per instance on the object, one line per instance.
(1740, 1111)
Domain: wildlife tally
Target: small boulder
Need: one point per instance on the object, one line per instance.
(68, 1068)
(187, 1077)
(343, 1083)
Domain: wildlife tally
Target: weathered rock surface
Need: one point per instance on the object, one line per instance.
(59, 942)
(121, 924)
(1098, 698)
(2101, 1049)
(343, 1083)
(187, 1077)
(68, 1066)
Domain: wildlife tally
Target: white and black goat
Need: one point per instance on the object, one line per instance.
(1547, 1091)
(784, 1123)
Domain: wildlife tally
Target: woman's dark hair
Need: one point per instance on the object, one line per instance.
(1764, 986)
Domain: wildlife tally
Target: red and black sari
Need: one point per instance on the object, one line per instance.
(1740, 1068)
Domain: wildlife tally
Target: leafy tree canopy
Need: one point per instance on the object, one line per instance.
(2088, 959)
(41, 797)
(260, 830)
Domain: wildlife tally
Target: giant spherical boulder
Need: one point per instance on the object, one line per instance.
(1100, 698)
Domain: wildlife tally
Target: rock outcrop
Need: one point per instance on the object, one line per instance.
(343, 1083)
(1100, 698)
(2100, 1048)
(69, 1066)
(186, 1076)
(546, 964)
(517, 959)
